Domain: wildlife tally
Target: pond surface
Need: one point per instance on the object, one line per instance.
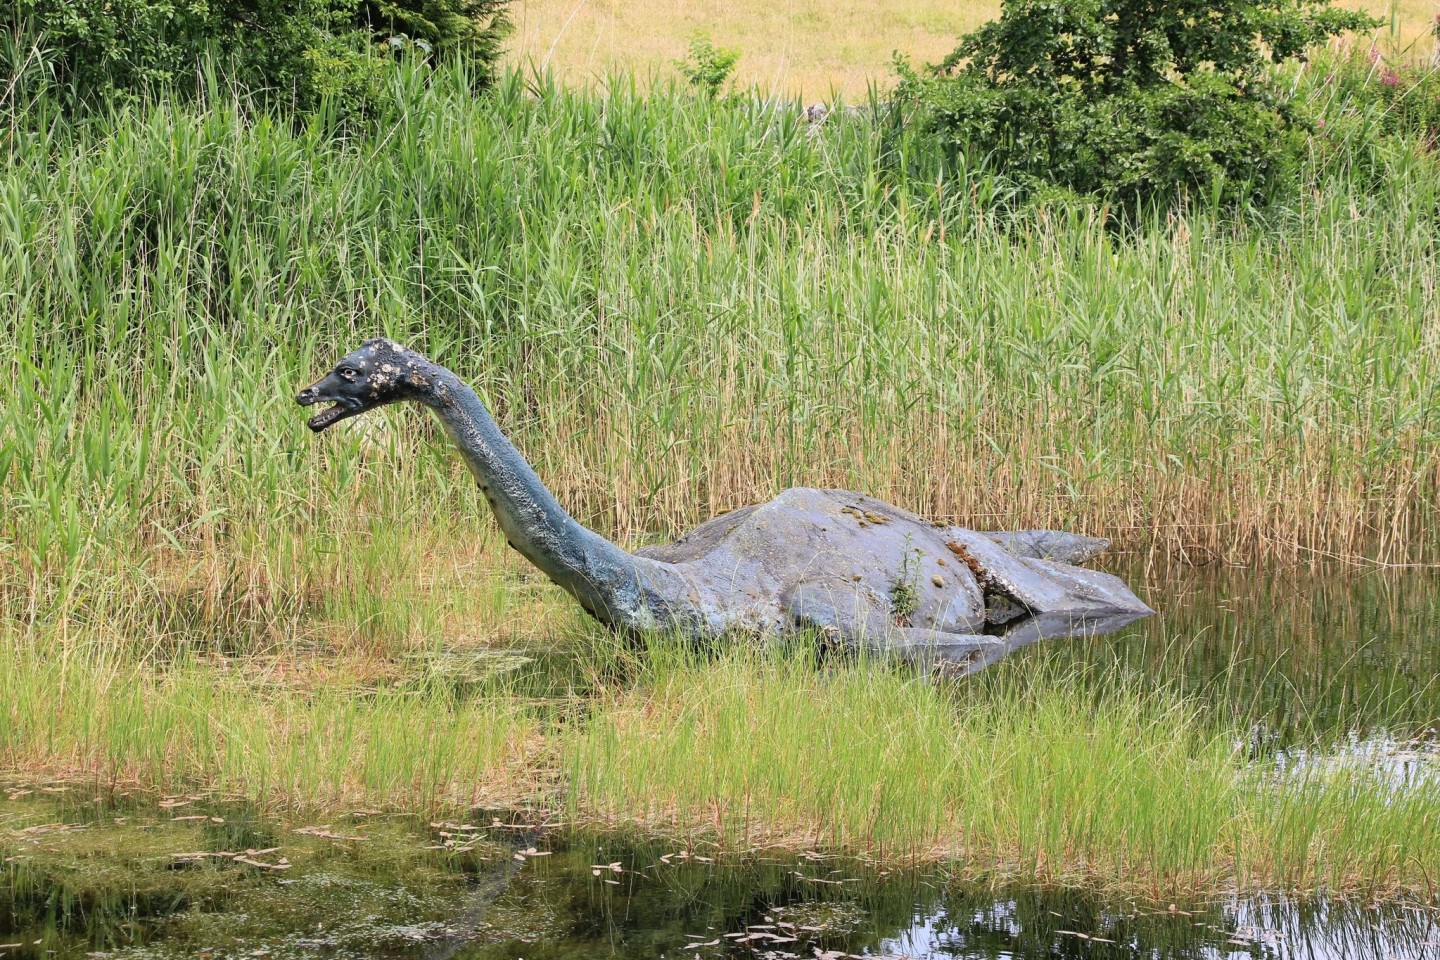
(1302, 658)
(1310, 665)
(147, 877)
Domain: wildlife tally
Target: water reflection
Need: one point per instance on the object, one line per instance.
(1258, 928)
(965, 657)
(87, 878)
(1297, 657)
(1403, 764)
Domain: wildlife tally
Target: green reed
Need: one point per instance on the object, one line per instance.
(676, 307)
(1034, 774)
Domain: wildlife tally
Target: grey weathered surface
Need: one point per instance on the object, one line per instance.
(1051, 545)
(866, 572)
(858, 570)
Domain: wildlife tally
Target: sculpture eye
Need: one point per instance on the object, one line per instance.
(347, 372)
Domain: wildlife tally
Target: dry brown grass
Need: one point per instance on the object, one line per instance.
(805, 48)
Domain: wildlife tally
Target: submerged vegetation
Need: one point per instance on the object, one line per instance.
(121, 875)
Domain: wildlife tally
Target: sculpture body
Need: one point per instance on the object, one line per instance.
(856, 569)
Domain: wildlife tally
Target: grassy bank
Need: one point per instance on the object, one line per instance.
(1034, 778)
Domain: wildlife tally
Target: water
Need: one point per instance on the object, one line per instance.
(1313, 666)
(139, 877)
(1302, 658)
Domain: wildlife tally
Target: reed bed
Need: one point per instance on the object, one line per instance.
(1044, 777)
(1033, 776)
(677, 307)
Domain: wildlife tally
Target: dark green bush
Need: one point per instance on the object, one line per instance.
(1133, 101)
(301, 50)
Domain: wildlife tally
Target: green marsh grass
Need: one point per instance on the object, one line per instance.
(77, 713)
(1034, 776)
(862, 756)
(1045, 777)
(676, 307)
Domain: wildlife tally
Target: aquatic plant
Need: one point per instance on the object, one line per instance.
(1030, 775)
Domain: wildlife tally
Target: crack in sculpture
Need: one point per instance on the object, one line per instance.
(824, 561)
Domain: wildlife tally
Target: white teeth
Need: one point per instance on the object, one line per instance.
(326, 417)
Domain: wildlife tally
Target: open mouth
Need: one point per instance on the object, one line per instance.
(343, 409)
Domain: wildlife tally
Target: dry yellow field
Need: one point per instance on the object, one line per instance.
(806, 48)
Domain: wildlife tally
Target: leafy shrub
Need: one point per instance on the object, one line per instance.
(301, 49)
(708, 66)
(1131, 100)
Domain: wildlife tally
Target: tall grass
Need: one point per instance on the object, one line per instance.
(677, 307)
(1037, 776)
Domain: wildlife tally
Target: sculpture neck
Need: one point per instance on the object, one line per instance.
(601, 576)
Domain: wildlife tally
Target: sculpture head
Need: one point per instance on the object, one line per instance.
(378, 372)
